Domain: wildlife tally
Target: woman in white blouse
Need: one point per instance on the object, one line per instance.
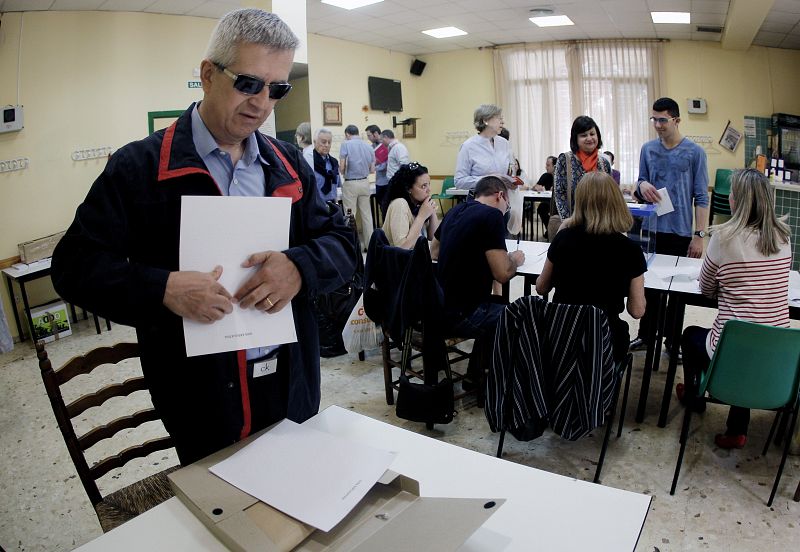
(488, 153)
(411, 212)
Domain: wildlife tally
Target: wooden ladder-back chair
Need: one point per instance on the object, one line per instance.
(128, 502)
(401, 301)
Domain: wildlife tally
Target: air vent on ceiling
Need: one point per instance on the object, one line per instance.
(709, 29)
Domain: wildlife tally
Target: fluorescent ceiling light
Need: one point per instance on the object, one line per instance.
(444, 32)
(671, 17)
(552, 21)
(350, 4)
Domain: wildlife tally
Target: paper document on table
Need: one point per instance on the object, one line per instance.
(681, 273)
(665, 205)
(225, 231)
(312, 476)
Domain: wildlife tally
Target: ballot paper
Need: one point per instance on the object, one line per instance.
(665, 205)
(225, 231)
(312, 476)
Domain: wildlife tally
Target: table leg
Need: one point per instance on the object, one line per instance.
(676, 326)
(653, 353)
(27, 310)
(10, 283)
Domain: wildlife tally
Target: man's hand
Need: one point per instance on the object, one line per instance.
(695, 248)
(274, 284)
(198, 296)
(649, 192)
(517, 257)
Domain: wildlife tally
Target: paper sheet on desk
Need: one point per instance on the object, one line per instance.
(680, 273)
(225, 231)
(665, 205)
(314, 477)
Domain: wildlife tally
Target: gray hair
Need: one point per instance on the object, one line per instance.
(303, 132)
(483, 113)
(248, 26)
(322, 130)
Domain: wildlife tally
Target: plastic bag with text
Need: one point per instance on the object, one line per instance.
(360, 333)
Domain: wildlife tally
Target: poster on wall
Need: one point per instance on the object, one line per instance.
(730, 138)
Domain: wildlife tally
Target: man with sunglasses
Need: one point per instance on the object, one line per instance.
(472, 254)
(119, 258)
(674, 162)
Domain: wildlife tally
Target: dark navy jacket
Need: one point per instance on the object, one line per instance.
(121, 247)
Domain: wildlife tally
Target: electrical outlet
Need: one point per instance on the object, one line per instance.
(18, 164)
(91, 153)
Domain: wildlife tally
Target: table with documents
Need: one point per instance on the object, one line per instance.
(543, 511)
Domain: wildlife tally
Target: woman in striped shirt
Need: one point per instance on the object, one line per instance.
(747, 269)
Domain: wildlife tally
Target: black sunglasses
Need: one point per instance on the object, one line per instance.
(250, 85)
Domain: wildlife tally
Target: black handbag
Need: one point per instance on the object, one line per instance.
(334, 308)
(418, 402)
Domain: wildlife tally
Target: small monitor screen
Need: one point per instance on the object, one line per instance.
(8, 115)
(385, 94)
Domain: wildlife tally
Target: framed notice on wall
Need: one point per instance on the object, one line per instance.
(332, 113)
(730, 138)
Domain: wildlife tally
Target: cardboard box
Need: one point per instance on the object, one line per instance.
(392, 517)
(41, 248)
(50, 322)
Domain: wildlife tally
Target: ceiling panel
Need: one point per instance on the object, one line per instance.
(495, 21)
(75, 4)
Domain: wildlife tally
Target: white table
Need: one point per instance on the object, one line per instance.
(543, 511)
(26, 273)
(684, 289)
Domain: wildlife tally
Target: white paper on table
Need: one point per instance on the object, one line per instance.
(310, 475)
(225, 231)
(665, 205)
(682, 273)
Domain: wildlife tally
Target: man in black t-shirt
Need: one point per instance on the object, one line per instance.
(472, 253)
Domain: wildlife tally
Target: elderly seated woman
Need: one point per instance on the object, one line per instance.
(411, 212)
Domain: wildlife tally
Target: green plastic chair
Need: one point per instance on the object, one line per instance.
(754, 366)
(449, 182)
(719, 195)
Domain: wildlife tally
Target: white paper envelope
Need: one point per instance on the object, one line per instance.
(665, 205)
(225, 231)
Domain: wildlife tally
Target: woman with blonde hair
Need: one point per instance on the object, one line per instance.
(592, 262)
(747, 269)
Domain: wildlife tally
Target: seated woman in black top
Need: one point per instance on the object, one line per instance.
(592, 262)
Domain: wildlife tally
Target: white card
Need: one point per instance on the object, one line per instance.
(665, 205)
(225, 231)
(314, 477)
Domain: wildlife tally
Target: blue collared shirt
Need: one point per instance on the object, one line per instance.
(360, 158)
(245, 179)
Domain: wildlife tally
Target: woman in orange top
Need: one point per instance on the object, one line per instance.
(585, 143)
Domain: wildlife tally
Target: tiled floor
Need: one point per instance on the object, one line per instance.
(720, 504)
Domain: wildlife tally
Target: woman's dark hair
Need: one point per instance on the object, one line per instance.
(519, 168)
(403, 180)
(579, 126)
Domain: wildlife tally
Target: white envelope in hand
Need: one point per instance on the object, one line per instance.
(665, 205)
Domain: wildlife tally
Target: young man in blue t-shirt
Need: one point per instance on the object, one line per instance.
(674, 162)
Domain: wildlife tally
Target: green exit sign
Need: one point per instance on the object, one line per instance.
(195, 84)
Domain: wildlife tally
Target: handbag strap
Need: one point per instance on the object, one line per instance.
(569, 181)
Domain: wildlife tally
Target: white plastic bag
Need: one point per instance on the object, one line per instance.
(360, 333)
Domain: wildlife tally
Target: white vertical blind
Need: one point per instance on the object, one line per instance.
(543, 87)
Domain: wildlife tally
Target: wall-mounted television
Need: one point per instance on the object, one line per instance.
(385, 94)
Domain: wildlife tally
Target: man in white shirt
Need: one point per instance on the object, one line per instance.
(398, 153)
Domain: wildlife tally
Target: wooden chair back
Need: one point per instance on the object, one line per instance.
(65, 413)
